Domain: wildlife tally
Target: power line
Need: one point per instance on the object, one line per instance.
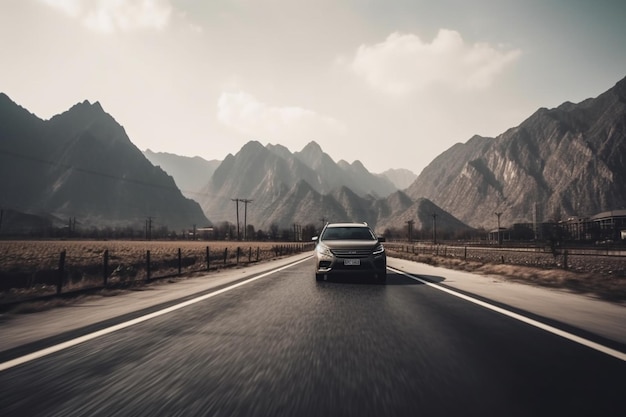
(245, 217)
(245, 201)
(236, 200)
(123, 178)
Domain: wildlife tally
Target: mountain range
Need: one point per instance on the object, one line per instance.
(565, 162)
(81, 164)
(558, 163)
(191, 174)
(309, 187)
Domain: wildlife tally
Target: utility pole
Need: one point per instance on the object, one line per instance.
(149, 228)
(410, 224)
(236, 200)
(245, 217)
(297, 232)
(71, 227)
(435, 228)
(499, 213)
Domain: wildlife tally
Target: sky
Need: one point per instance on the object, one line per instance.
(391, 83)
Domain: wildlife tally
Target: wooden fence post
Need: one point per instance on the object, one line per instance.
(225, 255)
(147, 265)
(238, 252)
(61, 272)
(180, 262)
(257, 253)
(208, 260)
(105, 267)
(250, 254)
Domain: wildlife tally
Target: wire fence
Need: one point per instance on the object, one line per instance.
(601, 260)
(39, 269)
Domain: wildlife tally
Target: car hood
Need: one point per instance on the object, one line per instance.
(350, 244)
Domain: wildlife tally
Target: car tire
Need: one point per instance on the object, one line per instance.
(382, 277)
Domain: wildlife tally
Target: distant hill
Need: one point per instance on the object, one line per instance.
(287, 187)
(306, 187)
(189, 173)
(401, 178)
(561, 162)
(81, 164)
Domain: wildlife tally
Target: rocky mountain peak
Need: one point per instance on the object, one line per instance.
(313, 156)
(81, 163)
(566, 160)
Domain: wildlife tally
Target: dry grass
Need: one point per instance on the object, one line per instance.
(30, 268)
(45, 254)
(606, 285)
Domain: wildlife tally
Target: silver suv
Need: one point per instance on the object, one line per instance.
(349, 248)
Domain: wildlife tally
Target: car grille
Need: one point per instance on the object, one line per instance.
(351, 253)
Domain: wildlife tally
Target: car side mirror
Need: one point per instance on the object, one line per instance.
(381, 239)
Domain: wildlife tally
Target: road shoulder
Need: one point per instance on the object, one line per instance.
(22, 329)
(599, 317)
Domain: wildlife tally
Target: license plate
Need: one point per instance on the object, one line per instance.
(352, 262)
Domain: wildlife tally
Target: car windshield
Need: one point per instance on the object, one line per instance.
(348, 233)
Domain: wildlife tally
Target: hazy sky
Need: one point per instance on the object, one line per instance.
(392, 83)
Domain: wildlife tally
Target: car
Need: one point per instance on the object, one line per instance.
(349, 248)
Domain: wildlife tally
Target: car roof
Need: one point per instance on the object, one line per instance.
(347, 225)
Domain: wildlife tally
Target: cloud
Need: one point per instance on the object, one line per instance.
(403, 63)
(246, 114)
(108, 16)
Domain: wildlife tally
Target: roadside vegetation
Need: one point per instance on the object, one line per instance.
(599, 276)
(31, 270)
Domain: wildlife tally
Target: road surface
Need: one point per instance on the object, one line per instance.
(283, 344)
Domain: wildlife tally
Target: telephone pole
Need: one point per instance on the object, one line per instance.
(149, 228)
(410, 224)
(245, 202)
(236, 200)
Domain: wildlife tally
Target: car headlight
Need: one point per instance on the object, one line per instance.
(323, 250)
(378, 250)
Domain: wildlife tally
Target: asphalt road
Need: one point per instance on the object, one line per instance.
(287, 345)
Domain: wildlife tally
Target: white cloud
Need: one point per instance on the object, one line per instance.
(247, 115)
(108, 16)
(403, 63)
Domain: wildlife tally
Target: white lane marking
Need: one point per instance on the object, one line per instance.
(572, 337)
(61, 346)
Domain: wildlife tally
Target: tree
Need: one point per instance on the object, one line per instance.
(250, 232)
(273, 231)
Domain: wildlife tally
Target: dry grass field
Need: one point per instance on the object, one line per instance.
(598, 276)
(32, 267)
